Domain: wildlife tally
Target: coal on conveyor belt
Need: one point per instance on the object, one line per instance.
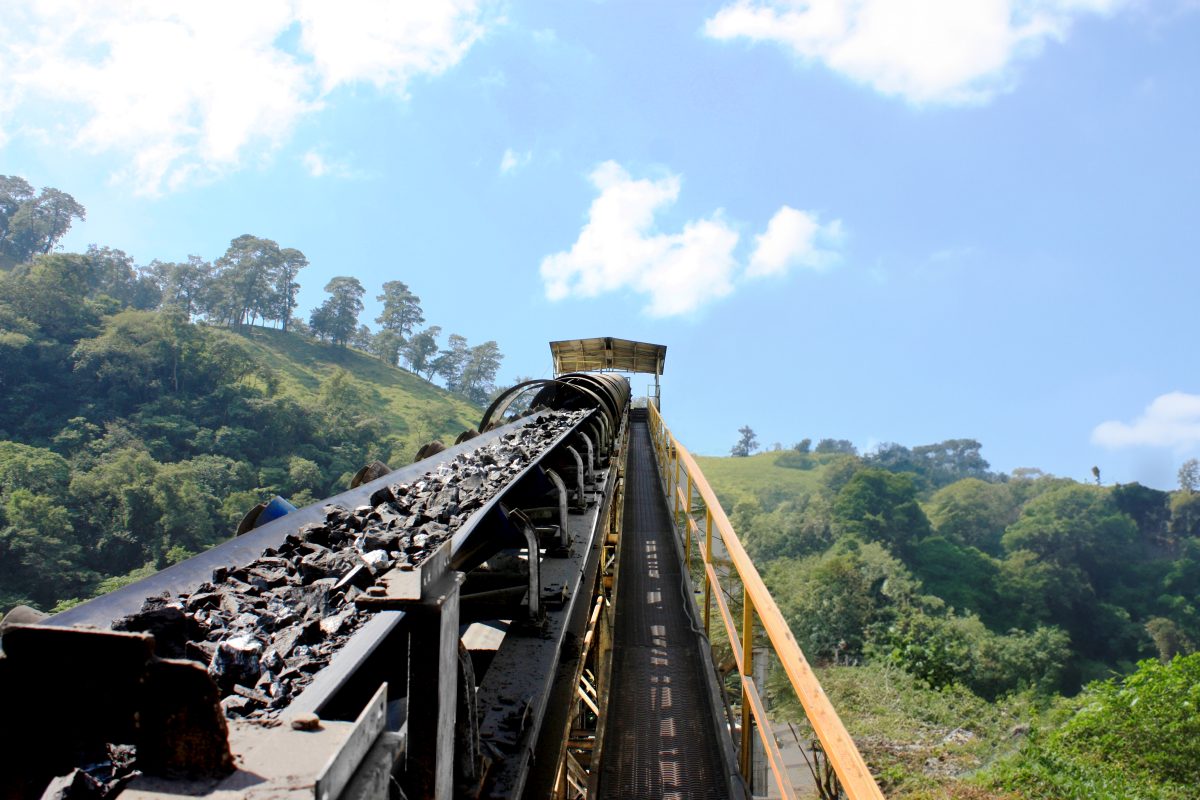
(265, 629)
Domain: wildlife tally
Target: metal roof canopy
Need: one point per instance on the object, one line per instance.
(605, 354)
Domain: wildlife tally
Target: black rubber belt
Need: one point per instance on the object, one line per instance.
(659, 739)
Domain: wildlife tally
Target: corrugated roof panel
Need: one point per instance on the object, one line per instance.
(607, 353)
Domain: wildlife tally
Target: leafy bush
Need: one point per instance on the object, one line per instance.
(1130, 739)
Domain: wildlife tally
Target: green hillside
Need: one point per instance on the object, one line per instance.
(412, 407)
(735, 479)
(952, 610)
(132, 437)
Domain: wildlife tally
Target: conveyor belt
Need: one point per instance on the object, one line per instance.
(659, 739)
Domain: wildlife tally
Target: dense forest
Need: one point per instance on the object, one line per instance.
(1015, 589)
(140, 418)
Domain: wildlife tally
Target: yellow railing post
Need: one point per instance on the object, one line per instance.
(675, 487)
(747, 761)
(687, 515)
(708, 525)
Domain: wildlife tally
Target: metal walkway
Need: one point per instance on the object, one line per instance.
(660, 739)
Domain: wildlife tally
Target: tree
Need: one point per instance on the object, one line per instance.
(1185, 514)
(401, 313)
(1189, 475)
(832, 601)
(363, 339)
(477, 379)
(244, 284)
(15, 191)
(336, 319)
(973, 512)
(450, 362)
(952, 460)
(419, 350)
(291, 261)
(837, 446)
(30, 225)
(747, 444)
(1076, 525)
(803, 446)
(881, 506)
(1149, 508)
(111, 273)
(182, 284)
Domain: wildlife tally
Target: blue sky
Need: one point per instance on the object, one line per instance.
(864, 219)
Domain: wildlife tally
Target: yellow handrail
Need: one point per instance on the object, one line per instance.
(676, 464)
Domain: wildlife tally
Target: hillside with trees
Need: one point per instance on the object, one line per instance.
(147, 408)
(921, 573)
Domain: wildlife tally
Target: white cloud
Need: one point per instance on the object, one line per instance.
(320, 166)
(794, 239)
(512, 161)
(620, 248)
(1171, 420)
(315, 164)
(386, 42)
(184, 90)
(925, 51)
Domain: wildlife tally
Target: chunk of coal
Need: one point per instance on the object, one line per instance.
(333, 625)
(381, 496)
(315, 566)
(201, 652)
(379, 540)
(236, 660)
(168, 624)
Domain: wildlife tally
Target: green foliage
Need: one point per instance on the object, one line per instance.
(1077, 525)
(832, 601)
(794, 528)
(32, 224)
(943, 649)
(1149, 508)
(1189, 475)
(962, 576)
(420, 349)
(1133, 738)
(841, 446)
(1185, 514)
(400, 315)
(796, 460)
(170, 431)
(33, 468)
(476, 381)
(973, 512)
(880, 506)
(1147, 722)
(336, 319)
(747, 442)
(917, 741)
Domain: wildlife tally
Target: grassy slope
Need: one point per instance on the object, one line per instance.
(409, 404)
(735, 478)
